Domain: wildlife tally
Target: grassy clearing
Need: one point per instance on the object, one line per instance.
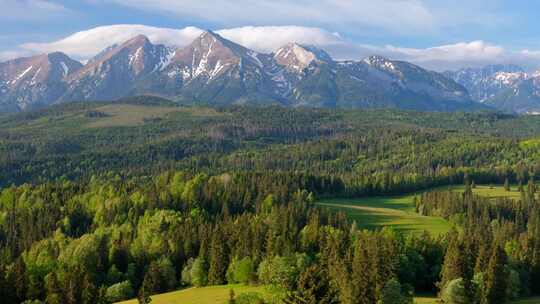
(378, 212)
(205, 295)
(220, 294)
(494, 191)
(425, 300)
(127, 115)
(399, 212)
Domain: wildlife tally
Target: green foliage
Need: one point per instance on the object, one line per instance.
(120, 291)
(454, 292)
(199, 272)
(278, 271)
(152, 232)
(228, 195)
(513, 288)
(241, 271)
(392, 294)
(313, 287)
(249, 298)
(496, 278)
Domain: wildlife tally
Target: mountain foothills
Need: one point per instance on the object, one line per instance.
(216, 71)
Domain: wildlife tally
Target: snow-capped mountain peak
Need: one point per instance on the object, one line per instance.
(298, 57)
(218, 71)
(35, 79)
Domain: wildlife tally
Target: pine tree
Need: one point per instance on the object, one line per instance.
(495, 278)
(18, 280)
(482, 259)
(218, 259)
(467, 271)
(313, 288)
(89, 291)
(453, 262)
(54, 291)
(6, 291)
(73, 285)
(363, 276)
(145, 291)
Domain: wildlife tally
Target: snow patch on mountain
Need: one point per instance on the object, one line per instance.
(21, 75)
(65, 68)
(165, 60)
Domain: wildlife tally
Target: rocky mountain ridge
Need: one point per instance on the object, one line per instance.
(216, 71)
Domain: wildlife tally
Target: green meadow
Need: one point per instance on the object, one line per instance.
(399, 211)
(204, 295)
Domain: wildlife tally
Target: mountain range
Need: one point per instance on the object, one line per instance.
(504, 87)
(216, 71)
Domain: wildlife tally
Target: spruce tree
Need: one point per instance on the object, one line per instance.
(18, 280)
(495, 278)
(453, 262)
(145, 291)
(313, 288)
(54, 291)
(89, 291)
(363, 279)
(218, 260)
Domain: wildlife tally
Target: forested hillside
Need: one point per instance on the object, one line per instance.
(379, 149)
(103, 202)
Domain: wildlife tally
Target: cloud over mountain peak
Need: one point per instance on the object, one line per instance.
(84, 44)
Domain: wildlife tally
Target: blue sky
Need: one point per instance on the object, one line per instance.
(436, 34)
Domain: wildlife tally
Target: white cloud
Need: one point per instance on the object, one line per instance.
(463, 54)
(85, 44)
(474, 53)
(6, 55)
(30, 10)
(269, 38)
(401, 16)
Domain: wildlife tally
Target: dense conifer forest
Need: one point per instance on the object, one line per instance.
(103, 202)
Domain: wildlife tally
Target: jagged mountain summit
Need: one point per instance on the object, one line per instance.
(112, 73)
(505, 87)
(213, 70)
(37, 81)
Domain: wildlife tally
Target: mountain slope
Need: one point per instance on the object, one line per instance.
(34, 81)
(523, 98)
(111, 74)
(377, 82)
(504, 87)
(215, 71)
(485, 83)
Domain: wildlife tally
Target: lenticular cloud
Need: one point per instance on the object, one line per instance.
(83, 45)
(86, 44)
